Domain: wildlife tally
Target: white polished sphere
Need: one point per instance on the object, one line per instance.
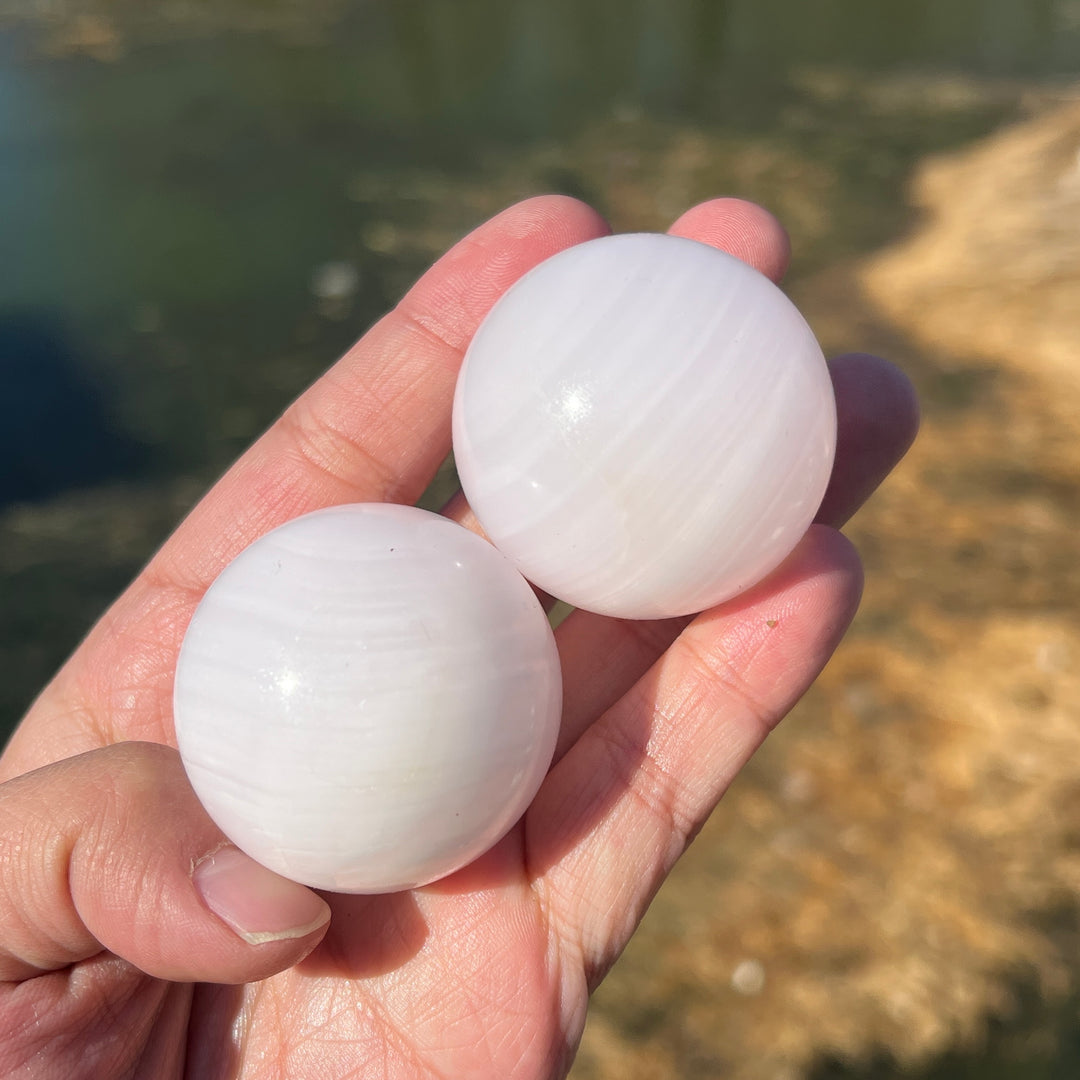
(367, 698)
(644, 425)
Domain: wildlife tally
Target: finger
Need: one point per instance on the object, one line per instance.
(741, 228)
(111, 851)
(375, 427)
(618, 810)
(876, 422)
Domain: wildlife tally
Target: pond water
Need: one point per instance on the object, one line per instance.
(170, 185)
(203, 204)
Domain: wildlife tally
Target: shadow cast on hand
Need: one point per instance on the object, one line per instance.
(368, 936)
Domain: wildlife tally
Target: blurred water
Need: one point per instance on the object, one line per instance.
(169, 185)
(202, 205)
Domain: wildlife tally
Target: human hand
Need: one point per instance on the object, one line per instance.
(128, 952)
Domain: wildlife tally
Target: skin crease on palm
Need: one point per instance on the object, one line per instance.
(115, 964)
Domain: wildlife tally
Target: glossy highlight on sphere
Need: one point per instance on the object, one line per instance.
(367, 698)
(644, 425)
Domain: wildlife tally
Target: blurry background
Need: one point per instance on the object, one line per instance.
(202, 204)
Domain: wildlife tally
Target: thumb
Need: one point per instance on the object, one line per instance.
(111, 850)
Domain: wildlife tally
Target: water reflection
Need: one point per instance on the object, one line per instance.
(55, 431)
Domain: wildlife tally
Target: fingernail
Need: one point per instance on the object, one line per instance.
(256, 903)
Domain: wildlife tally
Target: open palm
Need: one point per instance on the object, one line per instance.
(124, 957)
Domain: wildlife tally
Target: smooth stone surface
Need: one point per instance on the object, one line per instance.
(367, 698)
(644, 425)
